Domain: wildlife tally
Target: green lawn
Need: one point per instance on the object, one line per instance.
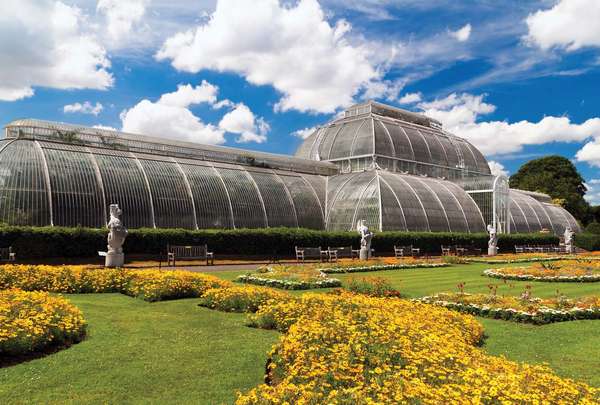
(177, 352)
(139, 352)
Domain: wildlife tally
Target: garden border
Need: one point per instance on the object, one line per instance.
(287, 284)
(364, 269)
(493, 273)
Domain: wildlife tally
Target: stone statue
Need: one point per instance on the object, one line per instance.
(493, 242)
(365, 240)
(116, 237)
(569, 239)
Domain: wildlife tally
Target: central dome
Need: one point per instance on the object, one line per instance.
(394, 139)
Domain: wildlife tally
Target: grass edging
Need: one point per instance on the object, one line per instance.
(542, 316)
(380, 267)
(287, 284)
(588, 278)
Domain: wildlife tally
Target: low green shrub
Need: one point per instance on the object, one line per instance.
(593, 227)
(46, 242)
(587, 241)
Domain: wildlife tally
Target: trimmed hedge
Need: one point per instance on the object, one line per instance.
(587, 241)
(46, 242)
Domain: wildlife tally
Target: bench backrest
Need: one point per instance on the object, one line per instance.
(310, 251)
(188, 251)
(342, 251)
(409, 247)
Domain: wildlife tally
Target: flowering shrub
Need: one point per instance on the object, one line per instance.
(151, 285)
(31, 321)
(290, 278)
(241, 299)
(520, 258)
(520, 309)
(372, 286)
(378, 264)
(357, 349)
(564, 270)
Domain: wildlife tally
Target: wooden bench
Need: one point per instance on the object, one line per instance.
(303, 253)
(175, 252)
(343, 251)
(7, 255)
(403, 251)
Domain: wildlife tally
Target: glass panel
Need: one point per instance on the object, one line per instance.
(520, 222)
(328, 138)
(363, 143)
(368, 207)
(438, 156)
(418, 144)
(402, 146)
(172, 203)
(124, 184)
(453, 210)
(210, 197)
(451, 154)
(248, 211)
(341, 215)
(319, 185)
(23, 192)
(383, 141)
(279, 208)
(433, 209)
(343, 140)
(306, 203)
(392, 216)
(416, 220)
(76, 196)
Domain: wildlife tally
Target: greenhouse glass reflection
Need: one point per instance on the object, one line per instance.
(395, 169)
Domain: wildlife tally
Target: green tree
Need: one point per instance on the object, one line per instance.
(557, 177)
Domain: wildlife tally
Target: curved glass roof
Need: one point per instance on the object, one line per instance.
(386, 132)
(527, 214)
(49, 183)
(393, 201)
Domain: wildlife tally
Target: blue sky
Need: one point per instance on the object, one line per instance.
(519, 79)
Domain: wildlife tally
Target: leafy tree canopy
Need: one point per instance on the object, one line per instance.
(557, 177)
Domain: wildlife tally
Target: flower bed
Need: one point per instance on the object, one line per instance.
(519, 258)
(559, 271)
(359, 266)
(241, 299)
(519, 309)
(356, 349)
(150, 285)
(33, 321)
(290, 278)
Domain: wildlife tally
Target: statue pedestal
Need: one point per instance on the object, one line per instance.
(365, 253)
(492, 251)
(114, 259)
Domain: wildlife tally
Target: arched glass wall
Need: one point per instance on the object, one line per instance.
(530, 215)
(48, 183)
(391, 201)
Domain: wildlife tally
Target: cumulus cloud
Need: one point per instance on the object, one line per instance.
(314, 65)
(462, 34)
(497, 168)
(46, 43)
(590, 153)
(459, 114)
(304, 132)
(593, 191)
(410, 98)
(570, 24)
(243, 122)
(85, 108)
(121, 16)
(170, 117)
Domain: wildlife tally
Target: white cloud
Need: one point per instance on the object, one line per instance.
(459, 114)
(187, 95)
(85, 108)
(243, 122)
(410, 98)
(593, 191)
(291, 47)
(304, 132)
(590, 153)
(121, 16)
(570, 24)
(105, 127)
(47, 43)
(497, 168)
(462, 34)
(170, 117)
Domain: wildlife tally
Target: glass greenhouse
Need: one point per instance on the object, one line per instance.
(395, 169)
